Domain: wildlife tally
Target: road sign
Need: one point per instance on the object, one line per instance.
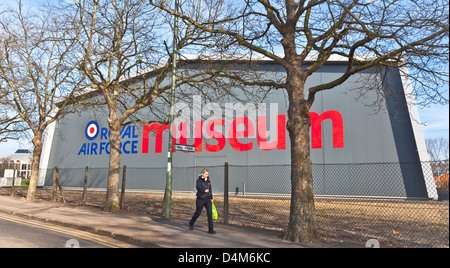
(9, 173)
(184, 148)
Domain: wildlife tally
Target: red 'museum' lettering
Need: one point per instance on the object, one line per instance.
(233, 134)
(316, 128)
(215, 135)
(280, 142)
(159, 136)
(249, 131)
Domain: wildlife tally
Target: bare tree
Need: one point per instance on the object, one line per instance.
(437, 148)
(115, 39)
(36, 71)
(11, 125)
(366, 34)
(125, 56)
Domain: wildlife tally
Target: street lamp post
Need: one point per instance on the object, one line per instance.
(168, 191)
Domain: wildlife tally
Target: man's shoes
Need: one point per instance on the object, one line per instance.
(211, 232)
(191, 227)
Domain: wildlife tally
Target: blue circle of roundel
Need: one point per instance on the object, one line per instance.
(91, 130)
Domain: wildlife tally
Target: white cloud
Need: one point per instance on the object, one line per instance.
(436, 118)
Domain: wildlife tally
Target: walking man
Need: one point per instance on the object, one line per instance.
(204, 199)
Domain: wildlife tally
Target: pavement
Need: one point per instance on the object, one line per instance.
(148, 230)
(143, 229)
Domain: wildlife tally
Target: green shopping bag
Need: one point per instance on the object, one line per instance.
(214, 212)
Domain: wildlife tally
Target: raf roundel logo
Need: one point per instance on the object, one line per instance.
(91, 130)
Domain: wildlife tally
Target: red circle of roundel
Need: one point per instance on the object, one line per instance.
(91, 130)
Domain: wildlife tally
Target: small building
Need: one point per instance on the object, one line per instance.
(22, 158)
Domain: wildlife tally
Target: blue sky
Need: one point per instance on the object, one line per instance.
(435, 117)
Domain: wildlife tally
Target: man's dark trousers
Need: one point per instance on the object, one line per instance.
(200, 203)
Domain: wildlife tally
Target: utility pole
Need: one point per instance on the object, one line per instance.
(168, 191)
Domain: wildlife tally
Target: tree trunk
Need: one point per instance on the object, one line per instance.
(302, 225)
(112, 192)
(37, 143)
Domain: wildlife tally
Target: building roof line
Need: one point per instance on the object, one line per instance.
(333, 59)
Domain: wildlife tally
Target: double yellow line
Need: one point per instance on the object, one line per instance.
(66, 231)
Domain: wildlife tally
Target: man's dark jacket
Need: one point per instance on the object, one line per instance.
(202, 186)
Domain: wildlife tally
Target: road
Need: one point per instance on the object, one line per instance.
(16, 232)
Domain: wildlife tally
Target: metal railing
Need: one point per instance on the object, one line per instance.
(399, 204)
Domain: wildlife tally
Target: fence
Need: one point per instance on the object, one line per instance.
(386, 201)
